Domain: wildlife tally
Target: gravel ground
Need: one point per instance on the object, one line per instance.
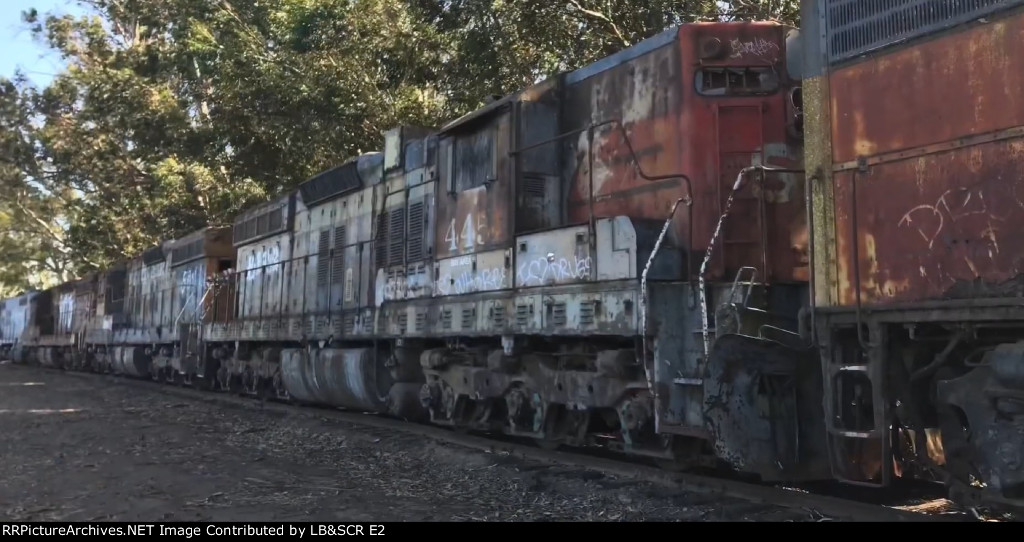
(76, 450)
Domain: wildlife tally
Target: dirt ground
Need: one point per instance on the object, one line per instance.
(77, 449)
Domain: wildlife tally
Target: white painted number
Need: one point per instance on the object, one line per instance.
(468, 235)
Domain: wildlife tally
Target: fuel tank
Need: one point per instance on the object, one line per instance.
(132, 361)
(347, 378)
(50, 357)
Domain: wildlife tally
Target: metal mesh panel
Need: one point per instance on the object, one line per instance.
(380, 242)
(323, 255)
(855, 27)
(337, 269)
(396, 236)
(417, 221)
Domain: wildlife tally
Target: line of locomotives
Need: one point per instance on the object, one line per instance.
(795, 253)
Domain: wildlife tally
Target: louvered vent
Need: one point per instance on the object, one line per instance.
(588, 309)
(267, 222)
(332, 183)
(337, 259)
(468, 318)
(522, 315)
(417, 224)
(396, 236)
(323, 257)
(381, 240)
(535, 185)
(498, 316)
(558, 316)
(856, 27)
(186, 253)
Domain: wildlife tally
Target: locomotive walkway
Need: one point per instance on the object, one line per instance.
(91, 448)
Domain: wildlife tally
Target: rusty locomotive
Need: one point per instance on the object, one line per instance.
(717, 247)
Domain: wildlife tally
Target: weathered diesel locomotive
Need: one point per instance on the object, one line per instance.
(732, 244)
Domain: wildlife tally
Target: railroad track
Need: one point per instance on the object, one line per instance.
(823, 506)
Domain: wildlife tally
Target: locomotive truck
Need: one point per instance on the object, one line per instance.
(788, 252)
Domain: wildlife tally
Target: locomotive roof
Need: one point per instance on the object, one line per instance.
(339, 180)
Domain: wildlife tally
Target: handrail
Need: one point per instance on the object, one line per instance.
(714, 239)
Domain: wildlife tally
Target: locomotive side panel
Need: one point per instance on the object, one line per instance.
(333, 235)
(14, 325)
(150, 298)
(405, 248)
(264, 241)
(262, 283)
(111, 291)
(914, 142)
(194, 258)
(628, 108)
(737, 79)
(474, 189)
(938, 202)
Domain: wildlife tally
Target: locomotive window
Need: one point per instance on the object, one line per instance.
(470, 162)
(736, 81)
(414, 155)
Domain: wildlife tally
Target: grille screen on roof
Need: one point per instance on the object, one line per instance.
(333, 182)
(855, 27)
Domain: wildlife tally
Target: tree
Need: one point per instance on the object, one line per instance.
(176, 114)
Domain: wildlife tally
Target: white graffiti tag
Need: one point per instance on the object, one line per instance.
(66, 311)
(549, 269)
(756, 47)
(191, 287)
(929, 220)
(468, 281)
(261, 263)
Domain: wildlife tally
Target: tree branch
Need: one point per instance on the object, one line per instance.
(602, 17)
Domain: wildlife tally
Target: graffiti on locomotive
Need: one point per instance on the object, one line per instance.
(66, 310)
(191, 287)
(462, 278)
(262, 263)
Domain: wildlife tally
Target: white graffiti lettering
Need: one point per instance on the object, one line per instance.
(551, 269)
(191, 287)
(261, 263)
(468, 281)
(756, 47)
(929, 220)
(400, 287)
(66, 310)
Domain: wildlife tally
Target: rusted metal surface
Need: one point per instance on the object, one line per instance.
(935, 203)
(987, 398)
(958, 85)
(763, 409)
(474, 189)
(533, 394)
(943, 225)
(691, 105)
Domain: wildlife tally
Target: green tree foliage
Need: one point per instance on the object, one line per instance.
(175, 114)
